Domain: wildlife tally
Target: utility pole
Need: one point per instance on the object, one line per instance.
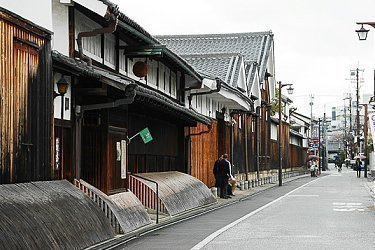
(311, 121)
(325, 142)
(365, 138)
(319, 147)
(345, 133)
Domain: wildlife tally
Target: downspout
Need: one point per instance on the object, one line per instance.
(257, 142)
(246, 150)
(111, 16)
(218, 87)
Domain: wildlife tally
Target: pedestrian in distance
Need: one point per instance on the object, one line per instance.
(216, 171)
(338, 164)
(358, 165)
(224, 173)
(313, 169)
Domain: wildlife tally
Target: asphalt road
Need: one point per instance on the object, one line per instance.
(334, 211)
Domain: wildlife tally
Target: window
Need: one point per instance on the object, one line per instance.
(109, 50)
(92, 46)
(173, 84)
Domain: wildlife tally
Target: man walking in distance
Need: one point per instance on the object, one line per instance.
(223, 174)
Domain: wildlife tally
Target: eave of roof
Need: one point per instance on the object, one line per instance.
(80, 68)
(187, 114)
(293, 132)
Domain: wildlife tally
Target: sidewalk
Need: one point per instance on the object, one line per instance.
(165, 220)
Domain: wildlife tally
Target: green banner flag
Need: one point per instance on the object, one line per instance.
(146, 135)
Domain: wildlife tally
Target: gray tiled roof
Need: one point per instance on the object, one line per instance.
(253, 46)
(224, 66)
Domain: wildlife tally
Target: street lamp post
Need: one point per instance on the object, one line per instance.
(362, 35)
(62, 88)
(365, 128)
(290, 91)
(357, 113)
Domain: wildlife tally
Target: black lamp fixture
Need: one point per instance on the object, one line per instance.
(290, 90)
(62, 87)
(362, 33)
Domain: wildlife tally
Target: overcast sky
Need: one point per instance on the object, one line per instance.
(315, 41)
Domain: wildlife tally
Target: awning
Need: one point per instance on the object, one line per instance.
(154, 98)
(80, 68)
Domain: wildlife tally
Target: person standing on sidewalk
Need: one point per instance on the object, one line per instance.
(223, 174)
(358, 165)
(231, 180)
(216, 171)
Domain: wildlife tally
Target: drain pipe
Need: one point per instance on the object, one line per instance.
(111, 16)
(218, 87)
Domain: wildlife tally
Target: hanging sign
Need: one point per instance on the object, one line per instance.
(145, 135)
(123, 159)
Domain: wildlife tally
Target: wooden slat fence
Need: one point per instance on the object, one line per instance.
(177, 192)
(123, 210)
(98, 197)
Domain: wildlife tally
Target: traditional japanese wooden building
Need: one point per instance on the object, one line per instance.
(121, 81)
(244, 61)
(26, 98)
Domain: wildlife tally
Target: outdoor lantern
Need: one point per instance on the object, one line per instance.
(62, 85)
(140, 69)
(290, 90)
(362, 33)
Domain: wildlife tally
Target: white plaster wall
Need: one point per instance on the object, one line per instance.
(94, 5)
(36, 11)
(60, 40)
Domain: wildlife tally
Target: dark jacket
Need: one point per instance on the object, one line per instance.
(216, 172)
(223, 172)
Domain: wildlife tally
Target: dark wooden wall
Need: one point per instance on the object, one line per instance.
(239, 152)
(298, 156)
(204, 153)
(206, 148)
(26, 102)
(274, 159)
(163, 153)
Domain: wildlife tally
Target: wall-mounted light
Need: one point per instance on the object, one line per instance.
(62, 87)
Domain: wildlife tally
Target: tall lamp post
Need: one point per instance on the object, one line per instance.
(62, 88)
(365, 128)
(290, 91)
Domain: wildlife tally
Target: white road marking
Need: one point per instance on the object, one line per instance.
(347, 207)
(304, 195)
(212, 236)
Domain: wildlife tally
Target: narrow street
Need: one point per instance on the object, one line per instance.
(334, 211)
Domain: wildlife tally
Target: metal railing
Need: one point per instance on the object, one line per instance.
(148, 197)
